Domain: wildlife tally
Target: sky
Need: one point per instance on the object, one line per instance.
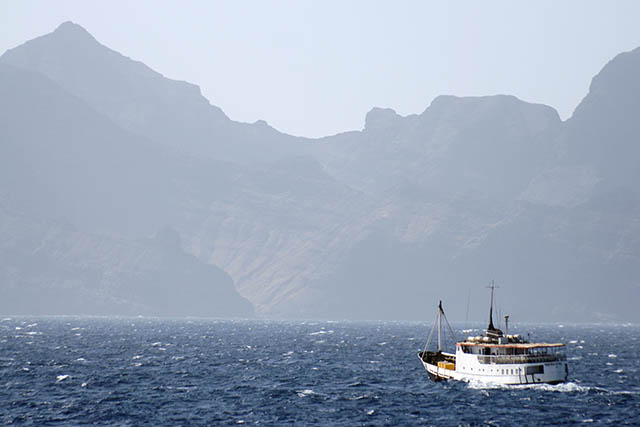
(315, 68)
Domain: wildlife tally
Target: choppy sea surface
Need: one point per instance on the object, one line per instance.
(133, 371)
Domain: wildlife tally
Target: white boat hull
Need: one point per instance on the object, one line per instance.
(553, 373)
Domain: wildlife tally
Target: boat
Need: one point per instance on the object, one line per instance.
(496, 357)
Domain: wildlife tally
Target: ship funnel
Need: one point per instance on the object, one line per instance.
(491, 329)
(506, 325)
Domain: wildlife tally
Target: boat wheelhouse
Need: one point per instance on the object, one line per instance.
(496, 357)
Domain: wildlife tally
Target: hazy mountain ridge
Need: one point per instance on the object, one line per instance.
(604, 129)
(380, 222)
(61, 160)
(450, 147)
(143, 101)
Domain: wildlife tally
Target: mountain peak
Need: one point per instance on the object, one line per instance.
(381, 118)
(130, 93)
(70, 26)
(71, 31)
(617, 79)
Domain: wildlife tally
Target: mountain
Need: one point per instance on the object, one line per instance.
(143, 101)
(603, 131)
(284, 224)
(51, 268)
(494, 187)
(455, 145)
(61, 159)
(67, 173)
(375, 223)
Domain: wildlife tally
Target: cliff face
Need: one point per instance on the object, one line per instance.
(51, 268)
(376, 223)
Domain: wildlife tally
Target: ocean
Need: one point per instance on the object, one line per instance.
(149, 371)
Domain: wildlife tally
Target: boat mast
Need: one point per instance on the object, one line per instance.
(440, 313)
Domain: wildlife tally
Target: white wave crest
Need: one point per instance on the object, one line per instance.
(305, 393)
(569, 387)
(321, 332)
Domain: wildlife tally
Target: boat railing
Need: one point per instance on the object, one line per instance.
(515, 359)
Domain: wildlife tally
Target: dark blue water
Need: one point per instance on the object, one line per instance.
(70, 370)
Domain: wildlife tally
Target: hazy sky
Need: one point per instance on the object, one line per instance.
(315, 68)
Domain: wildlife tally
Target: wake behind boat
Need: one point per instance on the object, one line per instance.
(496, 357)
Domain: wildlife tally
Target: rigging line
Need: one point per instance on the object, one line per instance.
(435, 323)
(453, 335)
(499, 310)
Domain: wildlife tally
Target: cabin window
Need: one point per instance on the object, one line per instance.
(535, 369)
